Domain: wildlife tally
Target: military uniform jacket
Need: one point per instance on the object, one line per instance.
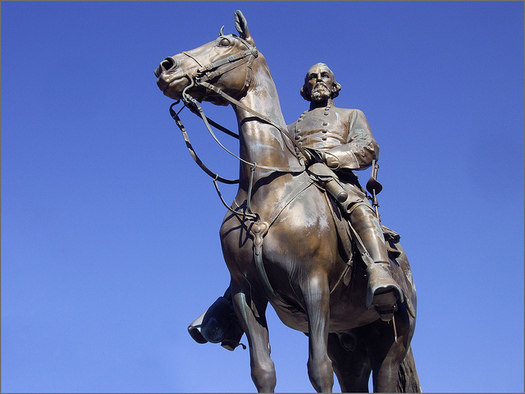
(342, 134)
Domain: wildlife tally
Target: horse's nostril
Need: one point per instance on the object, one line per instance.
(168, 63)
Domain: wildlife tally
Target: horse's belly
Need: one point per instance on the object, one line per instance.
(342, 318)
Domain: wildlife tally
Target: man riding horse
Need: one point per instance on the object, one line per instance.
(336, 141)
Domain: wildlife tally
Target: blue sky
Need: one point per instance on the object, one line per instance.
(110, 241)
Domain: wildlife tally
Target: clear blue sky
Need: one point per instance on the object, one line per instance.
(110, 241)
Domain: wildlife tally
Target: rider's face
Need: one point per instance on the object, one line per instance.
(320, 82)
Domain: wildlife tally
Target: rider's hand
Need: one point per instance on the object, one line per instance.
(313, 156)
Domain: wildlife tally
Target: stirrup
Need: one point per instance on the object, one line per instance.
(384, 302)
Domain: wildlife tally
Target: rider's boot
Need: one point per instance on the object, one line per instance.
(383, 291)
(218, 324)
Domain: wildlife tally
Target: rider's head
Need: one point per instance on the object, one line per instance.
(320, 84)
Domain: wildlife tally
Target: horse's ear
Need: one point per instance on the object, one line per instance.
(242, 27)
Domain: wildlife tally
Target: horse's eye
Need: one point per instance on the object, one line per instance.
(224, 42)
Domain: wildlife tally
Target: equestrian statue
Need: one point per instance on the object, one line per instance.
(301, 234)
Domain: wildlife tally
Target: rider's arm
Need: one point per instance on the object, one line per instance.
(359, 150)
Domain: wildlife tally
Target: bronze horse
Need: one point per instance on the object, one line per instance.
(280, 237)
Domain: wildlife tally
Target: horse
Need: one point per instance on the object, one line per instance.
(280, 238)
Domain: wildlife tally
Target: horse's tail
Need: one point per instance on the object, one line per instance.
(408, 381)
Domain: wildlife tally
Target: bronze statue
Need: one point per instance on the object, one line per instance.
(304, 239)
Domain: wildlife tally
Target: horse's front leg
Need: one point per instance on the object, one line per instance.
(317, 300)
(251, 314)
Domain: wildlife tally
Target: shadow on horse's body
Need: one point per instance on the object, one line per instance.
(280, 240)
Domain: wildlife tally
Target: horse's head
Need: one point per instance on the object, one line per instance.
(225, 63)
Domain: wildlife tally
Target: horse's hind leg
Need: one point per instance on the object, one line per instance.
(317, 300)
(350, 361)
(251, 314)
(385, 367)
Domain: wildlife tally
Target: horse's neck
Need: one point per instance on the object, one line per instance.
(261, 142)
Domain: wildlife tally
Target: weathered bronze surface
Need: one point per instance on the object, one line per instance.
(301, 233)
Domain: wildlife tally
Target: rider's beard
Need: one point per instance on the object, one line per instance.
(320, 92)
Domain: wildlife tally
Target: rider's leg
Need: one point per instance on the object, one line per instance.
(383, 291)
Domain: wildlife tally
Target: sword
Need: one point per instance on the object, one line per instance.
(374, 187)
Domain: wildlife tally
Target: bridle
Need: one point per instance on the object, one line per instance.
(211, 70)
(207, 73)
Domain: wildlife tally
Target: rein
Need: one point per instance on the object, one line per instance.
(265, 119)
(217, 177)
(191, 103)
